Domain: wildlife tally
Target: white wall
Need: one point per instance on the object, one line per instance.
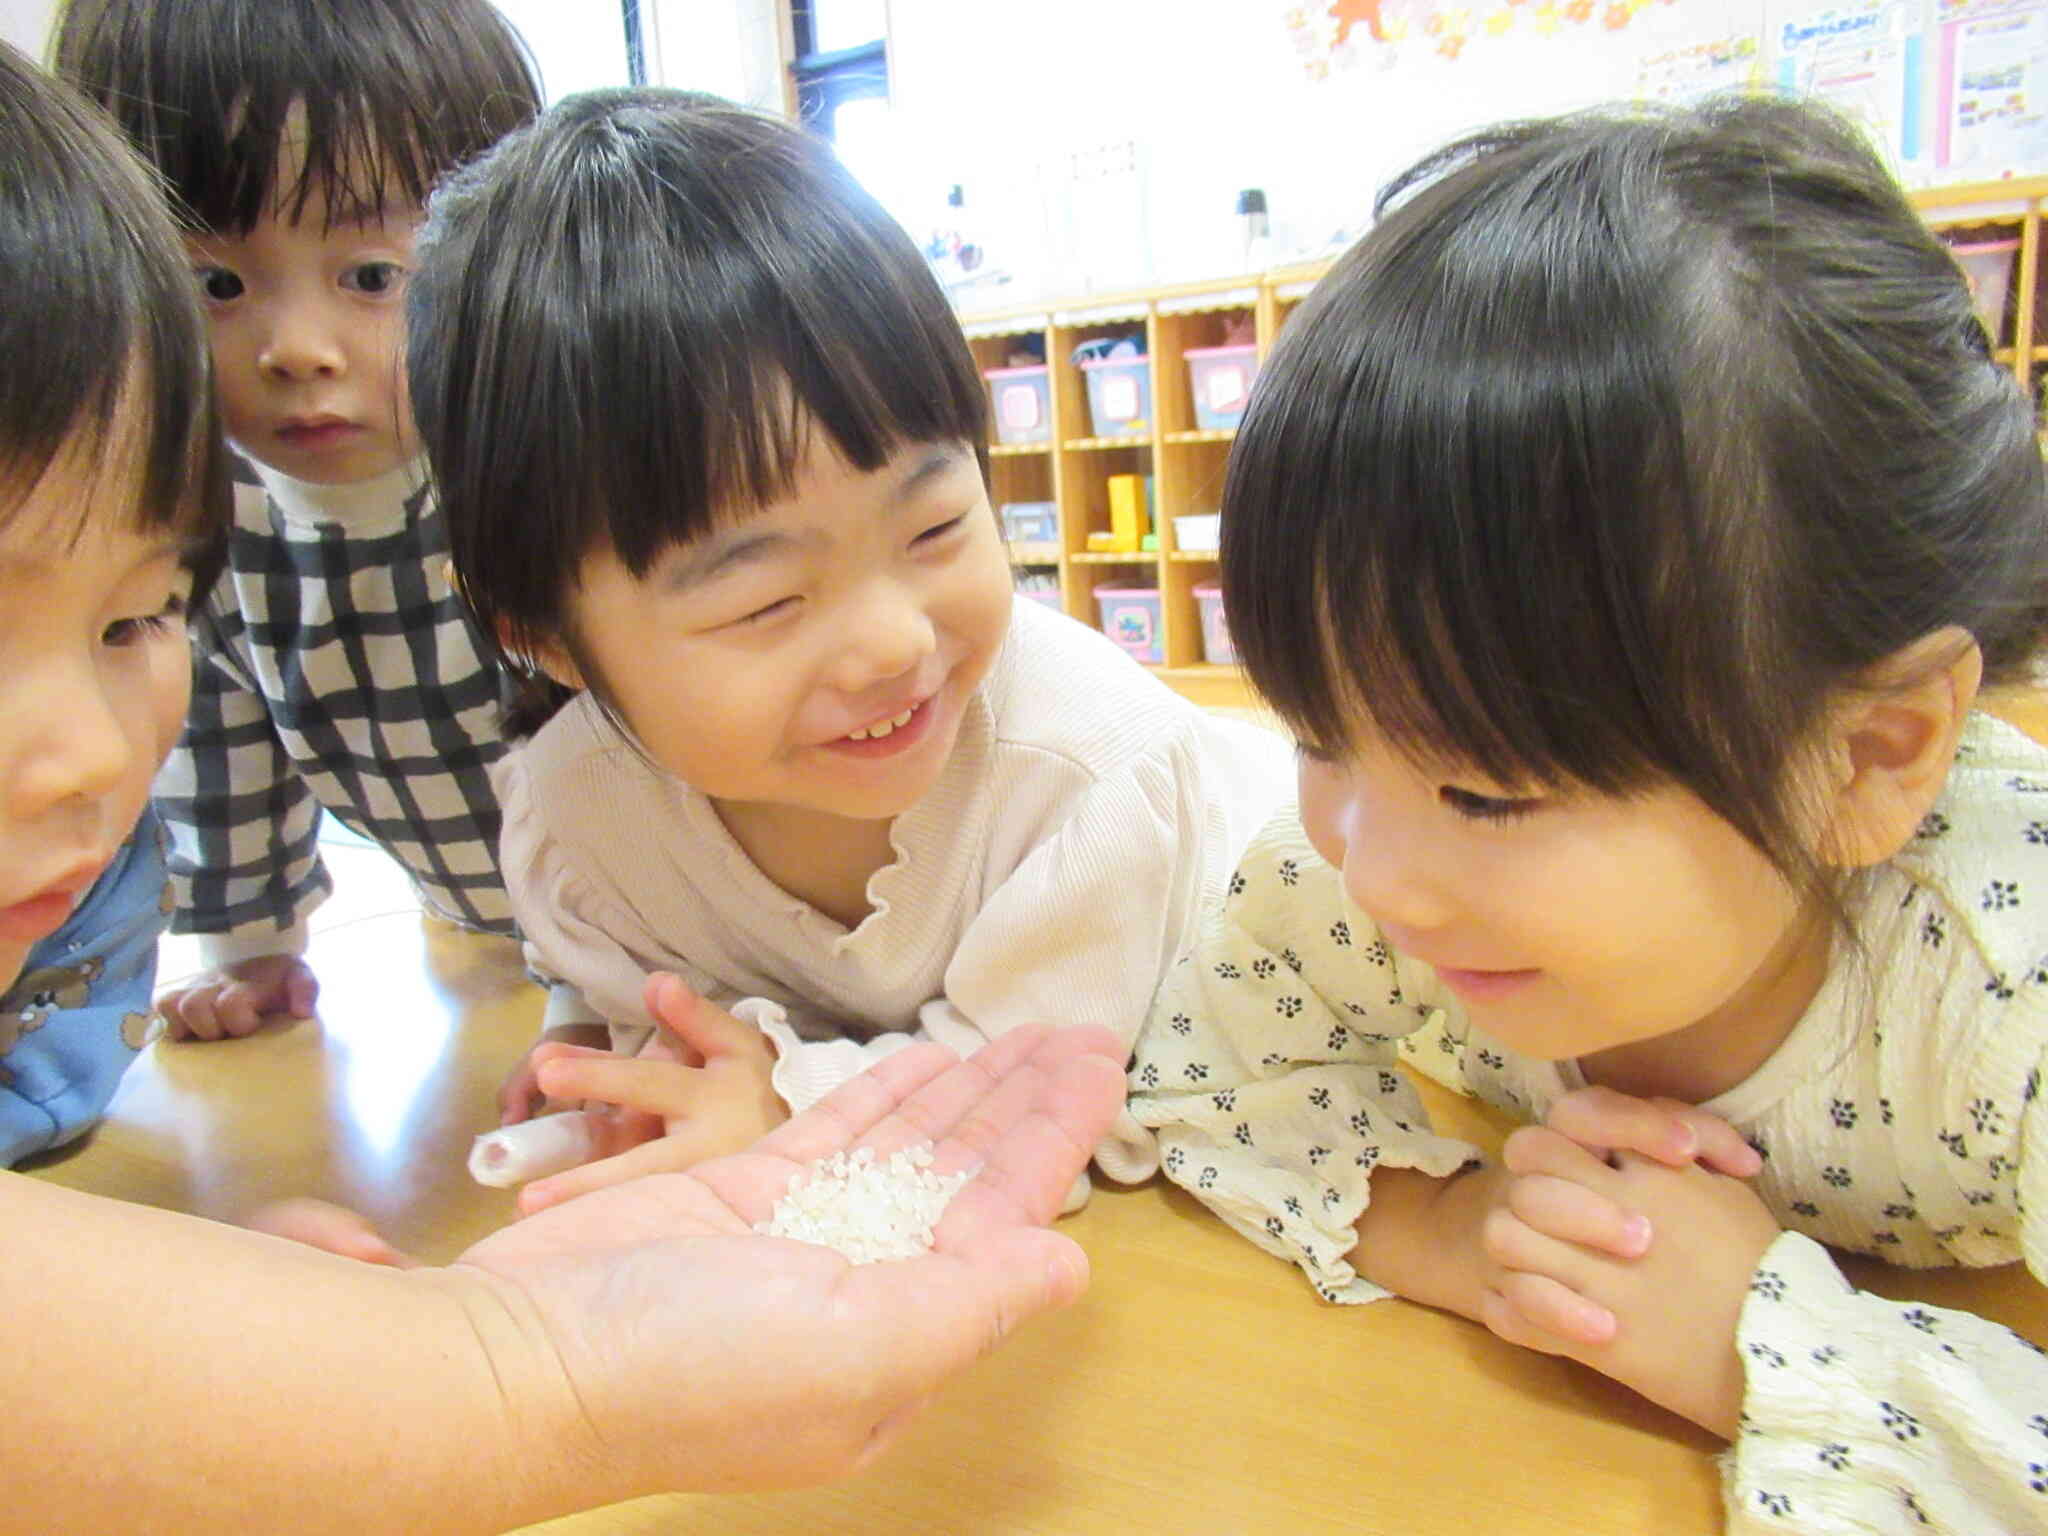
(1101, 142)
(580, 44)
(727, 47)
(26, 24)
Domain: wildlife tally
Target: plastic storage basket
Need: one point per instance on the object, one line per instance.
(1221, 379)
(1130, 617)
(1216, 644)
(1020, 401)
(1120, 396)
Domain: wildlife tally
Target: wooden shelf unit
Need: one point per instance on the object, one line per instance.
(1988, 210)
(1184, 459)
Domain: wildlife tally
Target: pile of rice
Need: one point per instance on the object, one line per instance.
(866, 1211)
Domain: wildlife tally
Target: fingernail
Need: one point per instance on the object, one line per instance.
(1636, 1235)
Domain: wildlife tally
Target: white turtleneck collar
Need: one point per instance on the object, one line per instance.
(363, 507)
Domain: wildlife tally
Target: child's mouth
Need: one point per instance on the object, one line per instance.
(885, 737)
(881, 728)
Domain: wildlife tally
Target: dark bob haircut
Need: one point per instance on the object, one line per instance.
(627, 320)
(1621, 446)
(100, 328)
(394, 94)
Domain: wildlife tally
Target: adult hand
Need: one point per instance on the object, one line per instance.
(647, 1328)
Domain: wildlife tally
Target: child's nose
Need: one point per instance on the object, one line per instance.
(302, 345)
(69, 748)
(890, 635)
(1390, 877)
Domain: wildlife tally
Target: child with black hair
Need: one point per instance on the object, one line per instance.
(337, 668)
(713, 453)
(1627, 526)
(95, 647)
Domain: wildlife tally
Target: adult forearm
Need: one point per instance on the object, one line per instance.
(167, 1373)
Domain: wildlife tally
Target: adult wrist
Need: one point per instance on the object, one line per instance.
(519, 1444)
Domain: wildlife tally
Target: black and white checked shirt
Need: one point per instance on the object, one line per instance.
(334, 667)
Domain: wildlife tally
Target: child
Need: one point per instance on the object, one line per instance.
(1666, 511)
(336, 667)
(711, 448)
(97, 640)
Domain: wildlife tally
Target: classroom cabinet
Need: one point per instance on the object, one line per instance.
(1178, 451)
(1197, 347)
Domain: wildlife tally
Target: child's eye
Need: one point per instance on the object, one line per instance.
(1476, 807)
(1321, 756)
(938, 531)
(762, 615)
(134, 631)
(218, 284)
(374, 278)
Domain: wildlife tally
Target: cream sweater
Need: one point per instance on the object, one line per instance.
(1054, 872)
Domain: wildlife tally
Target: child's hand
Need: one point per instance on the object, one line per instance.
(701, 1087)
(520, 1097)
(332, 1228)
(1673, 1306)
(1673, 1133)
(239, 999)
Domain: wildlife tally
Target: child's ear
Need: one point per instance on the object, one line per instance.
(548, 656)
(1893, 741)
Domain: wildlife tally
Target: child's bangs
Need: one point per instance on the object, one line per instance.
(120, 385)
(254, 111)
(274, 156)
(1442, 510)
(705, 343)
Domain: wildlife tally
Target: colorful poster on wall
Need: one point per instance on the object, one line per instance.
(1864, 58)
(1690, 71)
(1993, 97)
(1337, 35)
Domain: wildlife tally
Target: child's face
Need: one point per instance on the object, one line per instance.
(820, 653)
(94, 678)
(305, 324)
(1567, 925)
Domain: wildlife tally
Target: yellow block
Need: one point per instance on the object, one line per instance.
(1127, 520)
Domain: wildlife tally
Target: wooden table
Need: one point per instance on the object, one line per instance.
(1200, 1387)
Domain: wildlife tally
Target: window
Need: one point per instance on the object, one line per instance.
(841, 64)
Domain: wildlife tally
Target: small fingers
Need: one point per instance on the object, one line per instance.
(1720, 1146)
(664, 1154)
(1538, 1312)
(1568, 1211)
(653, 1087)
(188, 1015)
(1540, 1278)
(332, 1228)
(1532, 1149)
(1602, 1118)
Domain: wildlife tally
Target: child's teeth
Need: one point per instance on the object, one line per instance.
(877, 731)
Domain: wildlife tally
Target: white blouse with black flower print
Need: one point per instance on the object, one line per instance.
(1901, 1118)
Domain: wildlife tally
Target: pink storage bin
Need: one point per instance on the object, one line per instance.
(1120, 396)
(1221, 379)
(1987, 268)
(1216, 644)
(1130, 617)
(1020, 403)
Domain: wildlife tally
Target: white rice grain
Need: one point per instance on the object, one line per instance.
(866, 1211)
